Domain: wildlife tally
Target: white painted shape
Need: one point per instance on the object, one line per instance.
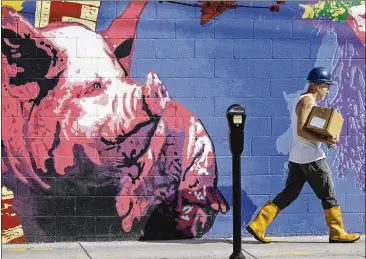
(64, 123)
(186, 218)
(191, 137)
(199, 196)
(161, 129)
(203, 171)
(356, 12)
(205, 144)
(128, 104)
(187, 209)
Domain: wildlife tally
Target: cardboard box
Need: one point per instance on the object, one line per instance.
(325, 121)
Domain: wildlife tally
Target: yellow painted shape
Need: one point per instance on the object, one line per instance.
(301, 253)
(17, 249)
(17, 5)
(42, 249)
(308, 11)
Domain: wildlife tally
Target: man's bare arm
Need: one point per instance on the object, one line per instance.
(303, 109)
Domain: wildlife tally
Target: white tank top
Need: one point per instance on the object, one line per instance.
(303, 151)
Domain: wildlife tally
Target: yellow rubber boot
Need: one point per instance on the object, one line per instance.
(259, 225)
(337, 234)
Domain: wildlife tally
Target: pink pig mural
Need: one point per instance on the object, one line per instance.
(80, 134)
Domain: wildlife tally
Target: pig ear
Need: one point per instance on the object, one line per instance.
(124, 51)
(28, 58)
(121, 33)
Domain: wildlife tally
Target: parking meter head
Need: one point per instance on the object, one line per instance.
(236, 116)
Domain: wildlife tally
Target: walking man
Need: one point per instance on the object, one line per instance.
(307, 164)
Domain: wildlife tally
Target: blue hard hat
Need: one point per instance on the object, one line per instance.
(319, 75)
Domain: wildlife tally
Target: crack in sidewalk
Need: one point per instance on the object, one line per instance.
(84, 250)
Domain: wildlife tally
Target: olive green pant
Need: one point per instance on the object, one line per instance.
(317, 174)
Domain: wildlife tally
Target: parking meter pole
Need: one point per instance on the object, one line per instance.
(236, 208)
(236, 116)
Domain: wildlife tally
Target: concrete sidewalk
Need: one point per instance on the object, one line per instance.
(282, 247)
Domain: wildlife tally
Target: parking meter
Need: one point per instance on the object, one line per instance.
(236, 116)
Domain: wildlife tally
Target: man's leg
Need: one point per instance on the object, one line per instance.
(294, 183)
(319, 177)
(320, 180)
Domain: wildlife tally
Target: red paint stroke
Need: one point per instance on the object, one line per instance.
(211, 10)
(360, 34)
(60, 9)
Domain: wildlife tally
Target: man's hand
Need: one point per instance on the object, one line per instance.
(332, 142)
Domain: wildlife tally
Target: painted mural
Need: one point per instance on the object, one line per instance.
(89, 152)
(122, 138)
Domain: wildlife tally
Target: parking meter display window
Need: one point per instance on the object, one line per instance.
(238, 119)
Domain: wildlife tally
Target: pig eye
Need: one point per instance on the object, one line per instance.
(97, 86)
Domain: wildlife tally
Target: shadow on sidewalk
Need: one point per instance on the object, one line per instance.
(253, 242)
(300, 242)
(190, 241)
